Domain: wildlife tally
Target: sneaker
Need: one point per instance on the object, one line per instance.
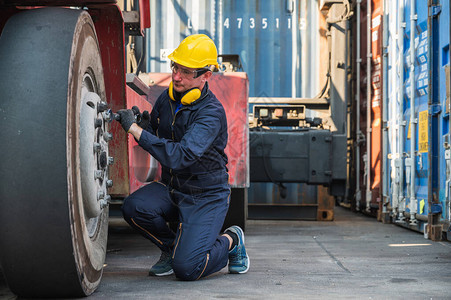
(239, 261)
(163, 267)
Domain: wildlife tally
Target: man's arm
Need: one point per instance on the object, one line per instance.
(177, 155)
(136, 131)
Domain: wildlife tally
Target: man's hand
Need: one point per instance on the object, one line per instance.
(143, 119)
(127, 118)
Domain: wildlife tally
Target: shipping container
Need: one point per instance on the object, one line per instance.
(277, 41)
(403, 138)
(367, 88)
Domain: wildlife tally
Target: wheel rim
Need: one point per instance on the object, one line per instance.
(87, 154)
(93, 153)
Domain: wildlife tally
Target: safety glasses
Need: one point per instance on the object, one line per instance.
(187, 74)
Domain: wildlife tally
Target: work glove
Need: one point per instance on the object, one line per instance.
(126, 119)
(142, 119)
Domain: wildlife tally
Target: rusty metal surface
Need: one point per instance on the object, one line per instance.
(110, 33)
(144, 15)
(232, 90)
(375, 103)
(140, 162)
(326, 204)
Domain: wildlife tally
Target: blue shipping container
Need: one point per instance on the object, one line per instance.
(418, 114)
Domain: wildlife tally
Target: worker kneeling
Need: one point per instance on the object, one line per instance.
(187, 133)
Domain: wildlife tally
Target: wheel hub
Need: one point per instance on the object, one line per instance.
(94, 159)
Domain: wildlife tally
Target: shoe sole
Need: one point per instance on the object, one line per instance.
(237, 228)
(244, 271)
(162, 274)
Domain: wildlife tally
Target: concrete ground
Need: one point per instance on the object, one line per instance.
(352, 257)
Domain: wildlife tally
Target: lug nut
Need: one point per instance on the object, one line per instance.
(107, 136)
(98, 174)
(98, 123)
(107, 115)
(104, 202)
(97, 147)
(109, 183)
(100, 195)
(102, 106)
(110, 160)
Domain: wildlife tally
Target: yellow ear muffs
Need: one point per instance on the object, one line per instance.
(188, 97)
(170, 91)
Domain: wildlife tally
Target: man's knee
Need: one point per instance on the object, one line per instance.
(186, 271)
(133, 208)
(148, 202)
(188, 267)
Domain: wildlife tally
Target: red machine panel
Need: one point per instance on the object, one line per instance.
(232, 90)
(110, 33)
(142, 167)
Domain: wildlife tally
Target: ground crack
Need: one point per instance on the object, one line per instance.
(332, 256)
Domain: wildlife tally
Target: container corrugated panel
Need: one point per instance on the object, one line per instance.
(420, 94)
(441, 85)
(376, 103)
(418, 116)
(277, 41)
(395, 73)
(369, 172)
(444, 83)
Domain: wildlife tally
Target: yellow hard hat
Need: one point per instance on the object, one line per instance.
(196, 51)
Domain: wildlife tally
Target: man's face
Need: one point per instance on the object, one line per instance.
(183, 78)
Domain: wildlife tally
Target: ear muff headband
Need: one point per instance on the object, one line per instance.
(188, 97)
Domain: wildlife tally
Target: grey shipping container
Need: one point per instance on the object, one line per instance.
(277, 41)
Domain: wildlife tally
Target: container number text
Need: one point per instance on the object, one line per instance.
(263, 23)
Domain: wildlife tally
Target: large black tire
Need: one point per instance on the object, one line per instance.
(53, 213)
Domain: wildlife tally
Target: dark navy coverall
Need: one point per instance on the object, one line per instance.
(189, 143)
